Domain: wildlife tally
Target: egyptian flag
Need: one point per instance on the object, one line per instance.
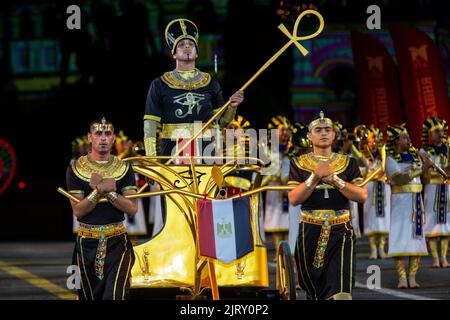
(422, 75)
(379, 100)
(224, 229)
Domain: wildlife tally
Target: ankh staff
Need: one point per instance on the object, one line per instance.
(293, 39)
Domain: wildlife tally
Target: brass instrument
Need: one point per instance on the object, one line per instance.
(425, 156)
(363, 135)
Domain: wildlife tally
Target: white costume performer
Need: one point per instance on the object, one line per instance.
(436, 195)
(377, 208)
(406, 234)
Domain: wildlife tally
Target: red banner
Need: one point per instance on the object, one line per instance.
(378, 92)
(422, 76)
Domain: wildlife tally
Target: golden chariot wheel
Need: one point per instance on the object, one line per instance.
(285, 273)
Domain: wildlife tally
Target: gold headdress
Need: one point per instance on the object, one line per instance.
(320, 121)
(102, 126)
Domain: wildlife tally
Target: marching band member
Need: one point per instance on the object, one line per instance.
(377, 209)
(406, 234)
(436, 195)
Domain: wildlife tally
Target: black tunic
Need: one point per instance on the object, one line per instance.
(103, 213)
(170, 103)
(316, 201)
(337, 273)
(114, 282)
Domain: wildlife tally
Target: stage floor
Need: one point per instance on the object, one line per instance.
(37, 271)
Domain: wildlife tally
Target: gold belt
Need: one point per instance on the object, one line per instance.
(324, 222)
(101, 231)
(407, 188)
(183, 131)
(326, 219)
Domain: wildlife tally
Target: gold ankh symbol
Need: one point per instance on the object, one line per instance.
(294, 38)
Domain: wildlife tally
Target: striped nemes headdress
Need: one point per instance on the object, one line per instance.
(300, 136)
(240, 123)
(279, 122)
(393, 133)
(430, 124)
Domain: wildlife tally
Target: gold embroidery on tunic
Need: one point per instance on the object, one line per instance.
(174, 83)
(309, 162)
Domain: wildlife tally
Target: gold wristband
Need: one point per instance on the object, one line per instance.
(310, 181)
(338, 183)
(112, 196)
(94, 196)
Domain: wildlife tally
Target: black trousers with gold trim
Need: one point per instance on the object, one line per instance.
(114, 280)
(335, 273)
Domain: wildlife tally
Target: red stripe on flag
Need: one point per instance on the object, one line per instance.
(206, 238)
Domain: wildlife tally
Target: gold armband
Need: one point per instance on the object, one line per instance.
(150, 146)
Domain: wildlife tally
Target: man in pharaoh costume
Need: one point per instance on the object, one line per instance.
(377, 209)
(276, 213)
(103, 252)
(436, 195)
(406, 235)
(325, 250)
(183, 96)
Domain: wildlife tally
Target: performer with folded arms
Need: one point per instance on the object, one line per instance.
(103, 251)
(325, 250)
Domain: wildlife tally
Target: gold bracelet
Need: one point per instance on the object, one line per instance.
(112, 196)
(338, 183)
(94, 196)
(310, 181)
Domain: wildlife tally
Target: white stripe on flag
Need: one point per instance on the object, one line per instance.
(224, 234)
